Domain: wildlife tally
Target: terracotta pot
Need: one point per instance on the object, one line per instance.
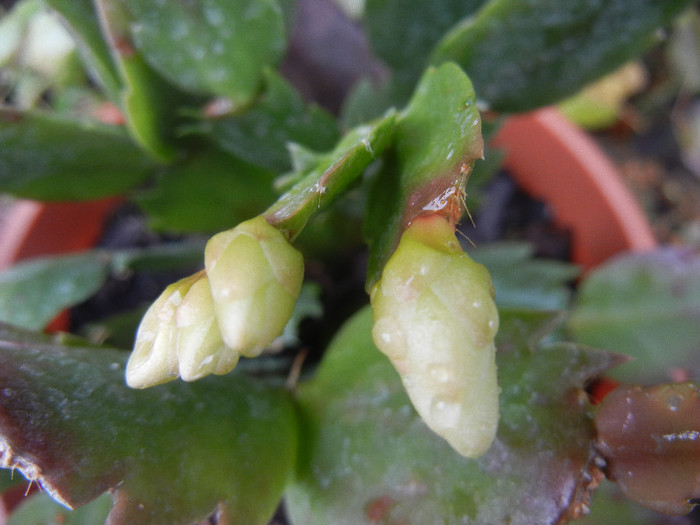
(29, 229)
(555, 162)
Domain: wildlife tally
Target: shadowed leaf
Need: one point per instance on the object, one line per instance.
(525, 328)
(40, 509)
(404, 36)
(82, 18)
(9, 480)
(648, 307)
(147, 100)
(208, 192)
(262, 134)
(34, 292)
(521, 280)
(530, 53)
(47, 157)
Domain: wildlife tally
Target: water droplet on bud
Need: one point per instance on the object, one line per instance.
(445, 413)
(440, 373)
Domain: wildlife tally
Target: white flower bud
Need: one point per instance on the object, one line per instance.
(154, 358)
(436, 320)
(200, 349)
(255, 277)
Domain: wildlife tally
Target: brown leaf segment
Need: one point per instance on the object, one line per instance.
(650, 437)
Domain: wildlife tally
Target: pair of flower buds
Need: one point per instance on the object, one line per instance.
(434, 317)
(235, 307)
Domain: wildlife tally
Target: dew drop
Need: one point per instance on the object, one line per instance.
(673, 402)
(446, 413)
(217, 48)
(198, 53)
(214, 16)
(368, 146)
(440, 373)
(217, 75)
(179, 30)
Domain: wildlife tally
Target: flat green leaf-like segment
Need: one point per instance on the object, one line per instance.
(51, 158)
(368, 458)
(222, 46)
(32, 293)
(208, 192)
(8, 480)
(329, 175)
(261, 135)
(147, 100)
(529, 53)
(40, 509)
(437, 140)
(172, 454)
(403, 35)
(159, 257)
(646, 306)
(82, 19)
(521, 280)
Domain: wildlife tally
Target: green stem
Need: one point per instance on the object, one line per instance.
(331, 177)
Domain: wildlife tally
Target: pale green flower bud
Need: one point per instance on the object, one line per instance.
(436, 320)
(200, 348)
(154, 358)
(255, 277)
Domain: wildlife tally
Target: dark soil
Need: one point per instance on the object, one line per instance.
(126, 228)
(507, 213)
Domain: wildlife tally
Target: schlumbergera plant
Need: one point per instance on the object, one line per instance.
(458, 395)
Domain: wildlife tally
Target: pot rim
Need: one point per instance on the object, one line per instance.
(575, 178)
